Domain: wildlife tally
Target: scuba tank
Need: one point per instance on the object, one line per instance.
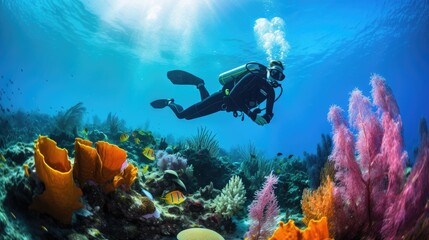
(239, 72)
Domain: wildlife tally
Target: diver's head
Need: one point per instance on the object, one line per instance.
(275, 71)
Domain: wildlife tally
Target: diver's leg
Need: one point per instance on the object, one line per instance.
(203, 91)
(184, 78)
(209, 105)
(177, 109)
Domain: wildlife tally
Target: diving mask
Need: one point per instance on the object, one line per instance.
(275, 73)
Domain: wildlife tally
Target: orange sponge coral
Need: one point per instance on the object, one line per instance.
(53, 168)
(126, 177)
(100, 164)
(316, 230)
(112, 158)
(87, 163)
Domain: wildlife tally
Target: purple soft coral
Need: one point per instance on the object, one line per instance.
(263, 211)
(170, 161)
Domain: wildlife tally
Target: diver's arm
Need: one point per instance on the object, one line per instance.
(270, 104)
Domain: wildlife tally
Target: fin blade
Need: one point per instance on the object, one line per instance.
(183, 78)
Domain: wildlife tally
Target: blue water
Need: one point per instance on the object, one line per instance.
(113, 56)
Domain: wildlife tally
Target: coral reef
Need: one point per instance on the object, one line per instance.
(61, 196)
(121, 202)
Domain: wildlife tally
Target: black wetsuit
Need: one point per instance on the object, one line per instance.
(244, 95)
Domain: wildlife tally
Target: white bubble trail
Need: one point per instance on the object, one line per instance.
(271, 37)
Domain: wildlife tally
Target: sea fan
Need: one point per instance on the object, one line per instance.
(263, 211)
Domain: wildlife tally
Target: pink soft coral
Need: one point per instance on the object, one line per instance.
(370, 181)
(412, 203)
(263, 211)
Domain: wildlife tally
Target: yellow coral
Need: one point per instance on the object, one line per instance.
(319, 203)
(61, 196)
(199, 234)
(316, 230)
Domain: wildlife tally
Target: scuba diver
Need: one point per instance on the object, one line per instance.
(244, 89)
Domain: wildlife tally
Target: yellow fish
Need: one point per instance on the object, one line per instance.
(148, 153)
(124, 137)
(145, 169)
(174, 197)
(137, 140)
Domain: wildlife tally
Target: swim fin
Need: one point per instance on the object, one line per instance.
(184, 78)
(161, 103)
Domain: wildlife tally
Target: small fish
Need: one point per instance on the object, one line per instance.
(141, 132)
(26, 172)
(134, 133)
(2, 157)
(279, 154)
(148, 153)
(137, 140)
(174, 197)
(290, 156)
(145, 169)
(124, 137)
(43, 228)
(85, 132)
(148, 194)
(252, 155)
(13, 215)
